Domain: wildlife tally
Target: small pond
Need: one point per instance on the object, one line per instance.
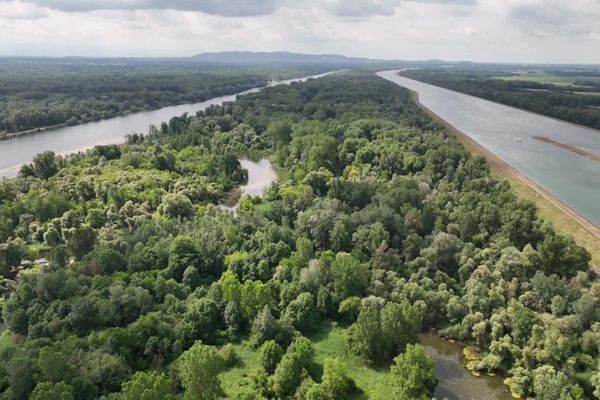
(455, 382)
(261, 175)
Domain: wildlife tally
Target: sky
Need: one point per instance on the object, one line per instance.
(539, 31)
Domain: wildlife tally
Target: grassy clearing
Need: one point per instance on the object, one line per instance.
(235, 380)
(330, 342)
(264, 206)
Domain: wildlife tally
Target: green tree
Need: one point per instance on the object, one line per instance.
(148, 386)
(45, 165)
(366, 336)
(80, 241)
(269, 355)
(54, 367)
(199, 369)
(287, 376)
(596, 383)
(191, 277)
(301, 313)
(304, 349)
(11, 254)
(176, 205)
(350, 277)
(350, 308)
(400, 324)
(264, 327)
(381, 333)
(446, 246)
(20, 376)
(414, 373)
(548, 384)
(52, 391)
(255, 296)
(562, 256)
(336, 382)
(522, 321)
(105, 370)
(104, 260)
(182, 254)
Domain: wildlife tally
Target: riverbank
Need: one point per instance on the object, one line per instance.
(575, 124)
(553, 210)
(12, 135)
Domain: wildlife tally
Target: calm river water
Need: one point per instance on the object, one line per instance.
(509, 132)
(19, 150)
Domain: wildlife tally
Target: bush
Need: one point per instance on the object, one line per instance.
(229, 355)
(304, 349)
(349, 308)
(287, 375)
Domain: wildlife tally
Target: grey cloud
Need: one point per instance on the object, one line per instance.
(363, 8)
(367, 8)
(22, 11)
(230, 8)
(553, 18)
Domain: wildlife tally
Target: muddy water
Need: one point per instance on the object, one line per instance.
(454, 380)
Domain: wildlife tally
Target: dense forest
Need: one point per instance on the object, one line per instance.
(33, 97)
(577, 102)
(382, 225)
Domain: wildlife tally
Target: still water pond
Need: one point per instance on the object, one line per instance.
(509, 133)
(261, 175)
(455, 382)
(22, 149)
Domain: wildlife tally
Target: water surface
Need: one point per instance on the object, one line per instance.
(508, 132)
(455, 382)
(19, 150)
(261, 175)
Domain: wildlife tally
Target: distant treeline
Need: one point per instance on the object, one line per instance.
(568, 103)
(44, 95)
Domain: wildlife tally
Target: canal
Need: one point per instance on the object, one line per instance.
(513, 135)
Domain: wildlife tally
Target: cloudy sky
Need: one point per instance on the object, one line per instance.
(478, 30)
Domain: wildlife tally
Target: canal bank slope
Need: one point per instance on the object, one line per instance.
(563, 217)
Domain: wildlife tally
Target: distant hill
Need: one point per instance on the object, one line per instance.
(284, 57)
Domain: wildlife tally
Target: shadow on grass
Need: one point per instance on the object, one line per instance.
(323, 332)
(239, 363)
(315, 370)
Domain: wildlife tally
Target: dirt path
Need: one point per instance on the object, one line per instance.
(500, 164)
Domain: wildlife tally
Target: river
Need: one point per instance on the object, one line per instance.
(19, 150)
(509, 133)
